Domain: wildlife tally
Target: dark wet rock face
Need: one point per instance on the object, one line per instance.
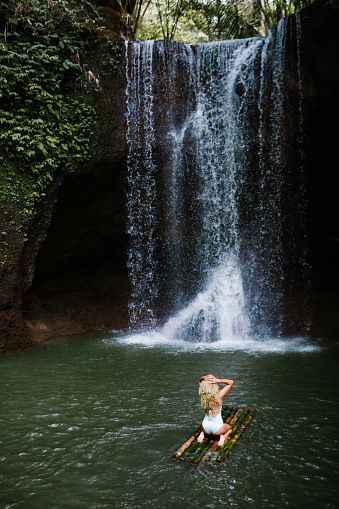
(320, 45)
(80, 280)
(80, 271)
(71, 274)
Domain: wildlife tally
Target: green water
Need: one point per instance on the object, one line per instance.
(92, 422)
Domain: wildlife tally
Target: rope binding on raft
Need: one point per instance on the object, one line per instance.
(207, 452)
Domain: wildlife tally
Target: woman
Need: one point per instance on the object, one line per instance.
(211, 401)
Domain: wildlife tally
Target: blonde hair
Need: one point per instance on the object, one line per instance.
(209, 394)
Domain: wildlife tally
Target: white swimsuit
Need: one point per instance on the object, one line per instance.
(212, 424)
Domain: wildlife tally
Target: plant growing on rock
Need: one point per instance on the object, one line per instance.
(45, 121)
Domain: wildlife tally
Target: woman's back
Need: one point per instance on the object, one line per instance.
(211, 401)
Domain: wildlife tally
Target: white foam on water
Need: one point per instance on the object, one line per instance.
(216, 312)
(232, 262)
(150, 338)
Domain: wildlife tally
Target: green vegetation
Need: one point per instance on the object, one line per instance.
(113, 58)
(45, 121)
(194, 21)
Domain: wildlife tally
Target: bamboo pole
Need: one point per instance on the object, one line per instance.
(198, 448)
(236, 417)
(225, 409)
(226, 413)
(230, 417)
(188, 442)
(240, 424)
(191, 451)
(203, 450)
(209, 453)
(206, 452)
(189, 446)
(228, 444)
(233, 439)
(219, 456)
(233, 419)
(242, 417)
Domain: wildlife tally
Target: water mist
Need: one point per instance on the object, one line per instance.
(206, 176)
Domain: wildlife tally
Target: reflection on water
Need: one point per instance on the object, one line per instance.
(92, 422)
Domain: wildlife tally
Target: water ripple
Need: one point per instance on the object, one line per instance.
(107, 442)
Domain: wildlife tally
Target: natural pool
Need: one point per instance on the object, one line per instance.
(92, 422)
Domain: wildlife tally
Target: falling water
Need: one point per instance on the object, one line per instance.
(142, 262)
(206, 183)
(265, 258)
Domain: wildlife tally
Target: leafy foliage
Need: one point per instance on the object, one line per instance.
(45, 123)
(273, 10)
(225, 20)
(169, 13)
(112, 61)
(134, 12)
(194, 21)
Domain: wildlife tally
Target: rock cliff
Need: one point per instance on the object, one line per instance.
(70, 275)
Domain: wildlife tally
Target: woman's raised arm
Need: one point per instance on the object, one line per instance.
(227, 387)
(224, 390)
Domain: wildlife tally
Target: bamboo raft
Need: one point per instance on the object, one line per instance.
(207, 452)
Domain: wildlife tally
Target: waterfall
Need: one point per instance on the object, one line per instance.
(206, 184)
(142, 263)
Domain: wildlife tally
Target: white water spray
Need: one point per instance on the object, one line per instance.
(217, 286)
